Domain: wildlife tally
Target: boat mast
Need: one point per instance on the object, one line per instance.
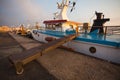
(63, 10)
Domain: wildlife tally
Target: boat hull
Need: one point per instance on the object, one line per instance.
(105, 52)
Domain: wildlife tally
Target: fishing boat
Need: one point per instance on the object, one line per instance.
(98, 41)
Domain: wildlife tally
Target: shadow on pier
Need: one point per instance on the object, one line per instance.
(33, 70)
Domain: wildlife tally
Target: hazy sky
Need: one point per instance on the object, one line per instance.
(15, 12)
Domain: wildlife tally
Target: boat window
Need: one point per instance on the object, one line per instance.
(58, 27)
(50, 26)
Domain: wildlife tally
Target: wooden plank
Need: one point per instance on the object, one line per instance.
(19, 60)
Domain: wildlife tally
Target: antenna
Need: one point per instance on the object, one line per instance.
(73, 6)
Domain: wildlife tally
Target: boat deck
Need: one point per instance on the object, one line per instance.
(110, 40)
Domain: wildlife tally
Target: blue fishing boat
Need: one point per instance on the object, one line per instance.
(98, 41)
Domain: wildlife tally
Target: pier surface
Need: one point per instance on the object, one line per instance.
(58, 64)
(11, 44)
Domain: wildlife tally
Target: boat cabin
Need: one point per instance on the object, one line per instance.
(60, 25)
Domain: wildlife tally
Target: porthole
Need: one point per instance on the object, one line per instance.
(92, 49)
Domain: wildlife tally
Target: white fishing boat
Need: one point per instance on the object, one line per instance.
(97, 42)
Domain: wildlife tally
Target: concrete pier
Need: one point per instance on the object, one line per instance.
(25, 42)
(58, 64)
(33, 70)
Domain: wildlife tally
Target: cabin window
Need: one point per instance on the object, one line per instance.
(50, 26)
(57, 26)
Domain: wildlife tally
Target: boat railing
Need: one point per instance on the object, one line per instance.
(107, 29)
(112, 29)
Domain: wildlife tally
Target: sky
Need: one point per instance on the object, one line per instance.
(16, 12)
